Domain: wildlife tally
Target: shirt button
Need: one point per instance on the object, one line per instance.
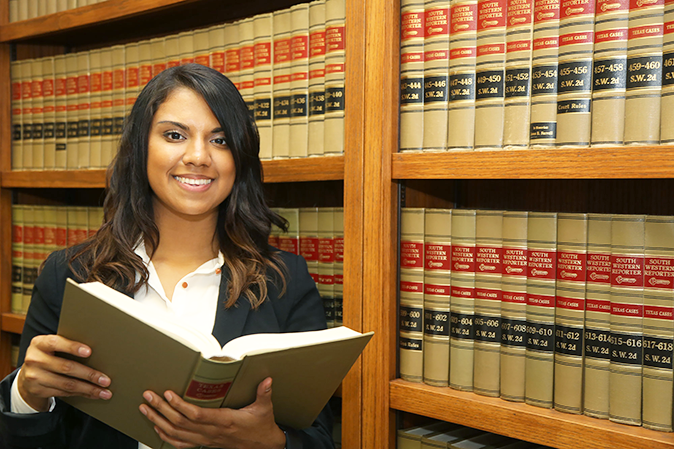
(184, 284)
(218, 271)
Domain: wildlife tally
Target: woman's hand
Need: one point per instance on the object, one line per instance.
(44, 375)
(186, 425)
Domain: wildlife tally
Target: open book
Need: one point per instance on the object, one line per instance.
(141, 351)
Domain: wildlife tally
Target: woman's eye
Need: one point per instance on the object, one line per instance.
(219, 141)
(173, 135)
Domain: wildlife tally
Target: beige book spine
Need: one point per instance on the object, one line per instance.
(308, 217)
(644, 74)
(202, 47)
(540, 309)
(61, 227)
(544, 74)
(326, 262)
(23, 9)
(570, 311)
(658, 323)
(96, 111)
(158, 49)
(326, 289)
(436, 75)
(52, 7)
(412, 31)
(281, 84)
(263, 77)
(72, 4)
(299, 81)
(50, 227)
(462, 60)
(186, 47)
(29, 268)
(338, 216)
(597, 317)
(335, 60)
(131, 76)
(95, 217)
(144, 63)
(490, 74)
(667, 98)
(488, 271)
(32, 8)
(37, 96)
(462, 316)
(246, 48)
(72, 113)
(78, 224)
(107, 136)
(60, 113)
(290, 240)
(513, 305)
(576, 46)
(17, 144)
(42, 7)
(316, 135)
(39, 253)
(519, 31)
(627, 301)
(437, 272)
(13, 11)
(118, 99)
(231, 53)
(172, 50)
(216, 48)
(411, 307)
(61, 5)
(26, 114)
(49, 94)
(17, 258)
(83, 111)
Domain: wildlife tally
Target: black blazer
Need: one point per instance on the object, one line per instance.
(299, 309)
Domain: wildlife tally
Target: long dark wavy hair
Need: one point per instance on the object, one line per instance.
(244, 219)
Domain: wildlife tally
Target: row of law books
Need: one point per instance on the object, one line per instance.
(443, 435)
(37, 231)
(317, 234)
(567, 310)
(30, 9)
(68, 110)
(535, 73)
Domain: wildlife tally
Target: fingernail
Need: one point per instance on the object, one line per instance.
(104, 381)
(168, 396)
(105, 394)
(147, 396)
(143, 410)
(84, 351)
(268, 387)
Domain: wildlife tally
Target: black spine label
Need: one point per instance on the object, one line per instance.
(49, 130)
(578, 106)
(488, 328)
(658, 352)
(517, 82)
(462, 87)
(411, 344)
(435, 89)
(411, 319)
(60, 129)
(462, 326)
(575, 76)
(298, 105)
(251, 108)
(540, 336)
(282, 107)
(543, 130)
(27, 133)
(262, 109)
(83, 128)
(490, 84)
(16, 274)
(436, 322)
(668, 69)
(16, 132)
(334, 99)
(626, 348)
(117, 125)
(644, 72)
(316, 103)
(38, 130)
(329, 307)
(569, 340)
(73, 129)
(513, 332)
(544, 80)
(411, 90)
(610, 74)
(96, 127)
(107, 126)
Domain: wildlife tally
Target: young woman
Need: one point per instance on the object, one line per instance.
(185, 232)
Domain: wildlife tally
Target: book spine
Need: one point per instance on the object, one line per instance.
(519, 30)
(39, 253)
(96, 112)
(107, 137)
(644, 73)
(576, 45)
(338, 216)
(131, 76)
(186, 47)
(281, 84)
(202, 47)
(513, 305)
(50, 244)
(210, 382)
(13, 11)
(263, 28)
(488, 296)
(23, 10)
(158, 55)
(490, 74)
(60, 113)
(61, 228)
(570, 311)
(316, 128)
(17, 258)
(436, 75)
(95, 217)
(48, 91)
(29, 268)
(290, 240)
(544, 73)
(436, 294)
(17, 144)
(83, 110)
(308, 217)
(299, 82)
(326, 262)
(658, 323)
(26, 115)
(37, 96)
(627, 312)
(144, 63)
(462, 314)
(118, 99)
(216, 48)
(246, 48)
(462, 59)
(412, 37)
(540, 308)
(411, 306)
(335, 60)
(231, 56)
(72, 112)
(667, 99)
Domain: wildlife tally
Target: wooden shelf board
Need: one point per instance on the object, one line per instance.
(12, 322)
(75, 179)
(522, 421)
(586, 163)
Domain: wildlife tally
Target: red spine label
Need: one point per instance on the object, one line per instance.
(406, 58)
(339, 249)
(464, 17)
(629, 310)
(660, 313)
(334, 39)
(282, 51)
(643, 4)
(411, 254)
(299, 46)
(437, 22)
(659, 273)
(645, 31)
(462, 292)
(436, 55)
(438, 290)
(309, 248)
(262, 51)
(599, 268)
(485, 293)
(317, 44)
(576, 38)
(411, 287)
(518, 46)
(515, 298)
(491, 49)
(540, 300)
(144, 74)
(546, 42)
(573, 8)
(519, 12)
(207, 391)
(437, 256)
(326, 250)
(491, 14)
(607, 6)
(289, 244)
(571, 266)
(542, 264)
(627, 271)
(412, 25)
(465, 52)
(598, 305)
(514, 262)
(488, 260)
(204, 60)
(545, 10)
(669, 28)
(132, 78)
(463, 258)
(233, 60)
(570, 303)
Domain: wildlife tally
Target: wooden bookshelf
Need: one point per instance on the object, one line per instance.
(12, 322)
(522, 421)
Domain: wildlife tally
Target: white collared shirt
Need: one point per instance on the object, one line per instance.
(195, 301)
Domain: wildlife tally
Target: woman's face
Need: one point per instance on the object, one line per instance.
(190, 168)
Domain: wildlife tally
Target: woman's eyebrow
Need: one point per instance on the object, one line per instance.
(176, 124)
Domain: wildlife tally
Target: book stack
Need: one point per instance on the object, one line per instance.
(68, 110)
(30, 9)
(317, 234)
(535, 74)
(37, 231)
(569, 311)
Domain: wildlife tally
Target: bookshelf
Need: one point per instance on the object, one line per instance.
(119, 21)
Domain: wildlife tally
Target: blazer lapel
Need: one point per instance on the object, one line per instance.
(229, 322)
